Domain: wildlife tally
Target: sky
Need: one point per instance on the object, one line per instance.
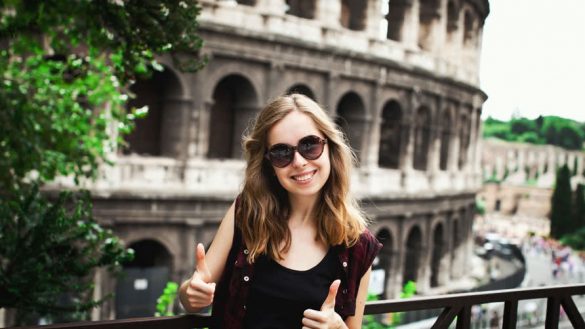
(533, 59)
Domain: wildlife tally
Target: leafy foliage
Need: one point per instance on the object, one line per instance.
(65, 73)
(575, 240)
(65, 69)
(561, 216)
(393, 319)
(552, 130)
(49, 250)
(579, 209)
(166, 301)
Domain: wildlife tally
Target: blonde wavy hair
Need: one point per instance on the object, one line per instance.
(264, 207)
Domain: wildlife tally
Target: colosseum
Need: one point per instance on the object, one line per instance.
(401, 79)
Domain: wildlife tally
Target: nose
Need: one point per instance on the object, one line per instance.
(299, 160)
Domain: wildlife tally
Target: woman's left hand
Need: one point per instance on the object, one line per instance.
(326, 318)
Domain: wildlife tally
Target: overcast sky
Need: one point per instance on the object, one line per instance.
(533, 59)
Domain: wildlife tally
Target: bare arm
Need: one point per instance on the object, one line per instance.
(197, 292)
(355, 321)
(328, 318)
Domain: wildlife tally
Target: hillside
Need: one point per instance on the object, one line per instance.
(552, 130)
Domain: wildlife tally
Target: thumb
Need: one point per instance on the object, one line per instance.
(202, 268)
(329, 302)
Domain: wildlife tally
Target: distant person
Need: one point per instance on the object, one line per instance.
(293, 249)
(495, 320)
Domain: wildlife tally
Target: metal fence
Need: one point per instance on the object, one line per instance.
(456, 309)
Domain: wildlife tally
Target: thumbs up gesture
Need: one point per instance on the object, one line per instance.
(326, 317)
(200, 290)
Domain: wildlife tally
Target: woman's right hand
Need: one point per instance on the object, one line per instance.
(200, 290)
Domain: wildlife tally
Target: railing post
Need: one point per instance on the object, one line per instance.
(572, 312)
(552, 313)
(446, 317)
(510, 314)
(464, 319)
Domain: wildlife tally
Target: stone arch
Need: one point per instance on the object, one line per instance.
(447, 125)
(469, 28)
(429, 13)
(437, 254)
(464, 139)
(235, 103)
(390, 135)
(155, 134)
(422, 138)
(301, 8)
(351, 114)
(143, 280)
(353, 14)
(149, 253)
(301, 89)
(246, 2)
(386, 257)
(397, 11)
(413, 253)
(452, 17)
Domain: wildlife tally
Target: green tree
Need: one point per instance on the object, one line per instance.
(560, 217)
(575, 240)
(66, 67)
(579, 213)
(552, 130)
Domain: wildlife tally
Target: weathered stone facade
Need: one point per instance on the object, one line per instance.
(523, 176)
(401, 79)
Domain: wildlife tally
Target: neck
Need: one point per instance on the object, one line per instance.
(302, 210)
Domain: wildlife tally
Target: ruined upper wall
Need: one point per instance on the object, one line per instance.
(439, 36)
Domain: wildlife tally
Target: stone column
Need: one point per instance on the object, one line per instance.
(331, 86)
(374, 18)
(454, 156)
(275, 7)
(372, 133)
(435, 145)
(411, 25)
(174, 127)
(329, 12)
(406, 163)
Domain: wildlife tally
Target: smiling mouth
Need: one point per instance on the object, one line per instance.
(304, 177)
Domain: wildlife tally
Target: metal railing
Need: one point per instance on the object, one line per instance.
(455, 308)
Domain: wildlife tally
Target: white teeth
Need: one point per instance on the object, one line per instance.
(303, 177)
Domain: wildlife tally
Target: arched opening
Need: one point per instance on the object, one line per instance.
(412, 255)
(153, 135)
(386, 260)
(456, 241)
(390, 136)
(396, 14)
(464, 127)
(353, 14)
(234, 105)
(422, 138)
(246, 2)
(469, 28)
(144, 280)
(351, 118)
(301, 8)
(445, 141)
(438, 251)
(452, 17)
(301, 89)
(429, 12)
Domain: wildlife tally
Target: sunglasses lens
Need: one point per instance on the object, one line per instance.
(280, 155)
(310, 147)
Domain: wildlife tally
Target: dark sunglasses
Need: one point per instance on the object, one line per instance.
(309, 147)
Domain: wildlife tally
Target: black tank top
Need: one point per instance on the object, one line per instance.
(279, 295)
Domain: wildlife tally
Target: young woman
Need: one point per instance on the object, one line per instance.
(293, 250)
